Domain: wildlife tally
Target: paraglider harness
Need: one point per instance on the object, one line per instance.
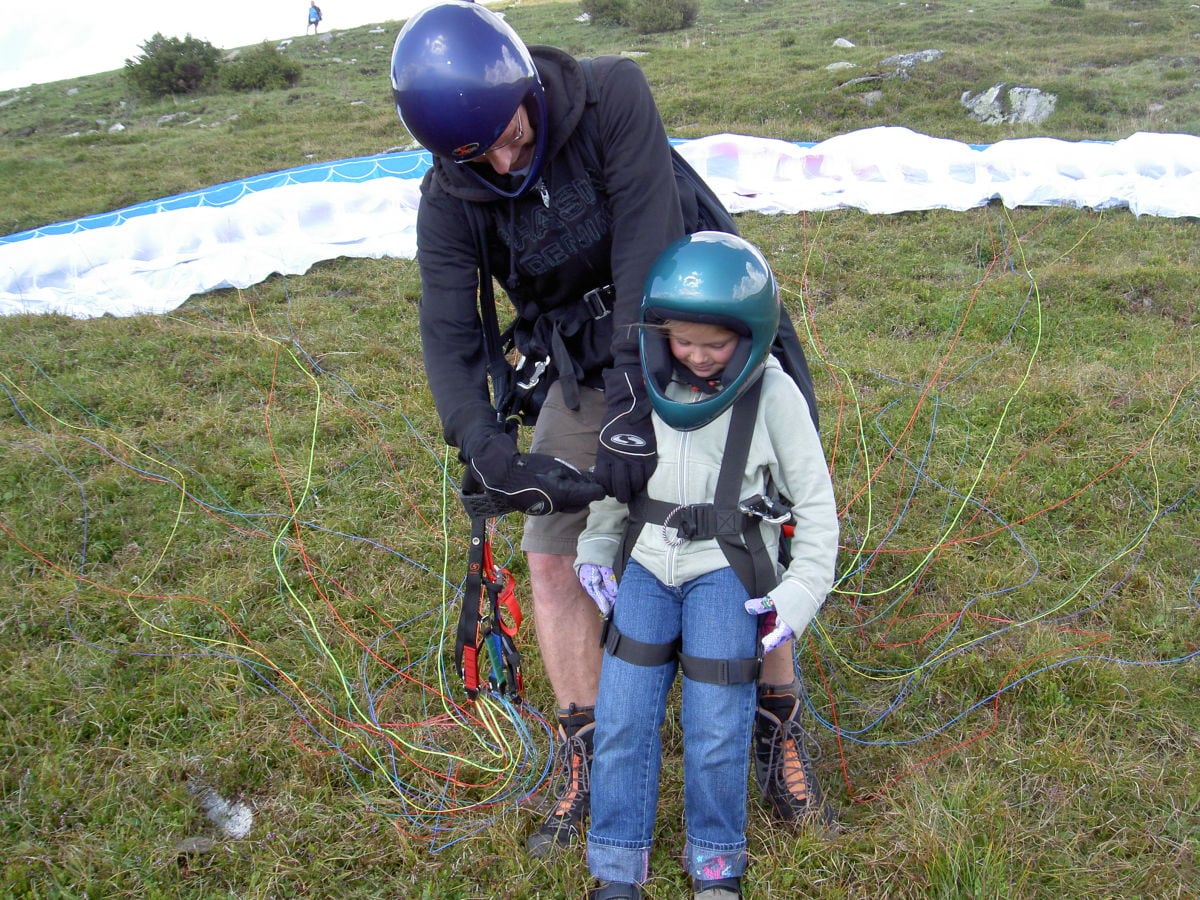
(735, 524)
(485, 648)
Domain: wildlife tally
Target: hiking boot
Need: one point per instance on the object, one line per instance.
(720, 889)
(783, 765)
(563, 826)
(616, 890)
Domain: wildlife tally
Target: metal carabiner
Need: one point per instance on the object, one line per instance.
(538, 368)
(770, 511)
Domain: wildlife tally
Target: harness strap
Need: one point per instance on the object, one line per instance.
(500, 372)
(633, 651)
(470, 633)
(720, 671)
(737, 532)
(695, 522)
(748, 557)
(485, 650)
(696, 668)
(567, 379)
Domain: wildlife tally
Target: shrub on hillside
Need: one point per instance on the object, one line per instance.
(654, 16)
(607, 12)
(261, 69)
(172, 66)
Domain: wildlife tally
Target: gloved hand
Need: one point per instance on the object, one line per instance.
(627, 453)
(601, 585)
(534, 483)
(771, 629)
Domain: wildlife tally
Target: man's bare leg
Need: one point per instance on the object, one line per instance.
(568, 630)
(777, 667)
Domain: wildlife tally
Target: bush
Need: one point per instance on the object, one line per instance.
(171, 66)
(262, 69)
(654, 16)
(1068, 4)
(607, 12)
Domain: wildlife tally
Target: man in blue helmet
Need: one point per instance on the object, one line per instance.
(557, 180)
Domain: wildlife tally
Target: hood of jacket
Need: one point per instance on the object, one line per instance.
(566, 96)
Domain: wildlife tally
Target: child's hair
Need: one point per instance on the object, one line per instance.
(666, 325)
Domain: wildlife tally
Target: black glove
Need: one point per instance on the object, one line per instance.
(534, 483)
(627, 453)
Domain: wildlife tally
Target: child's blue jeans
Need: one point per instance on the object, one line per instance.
(708, 613)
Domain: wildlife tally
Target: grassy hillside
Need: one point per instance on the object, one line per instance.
(228, 550)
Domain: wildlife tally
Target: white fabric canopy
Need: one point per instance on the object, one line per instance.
(150, 258)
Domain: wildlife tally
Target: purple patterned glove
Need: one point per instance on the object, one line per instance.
(772, 629)
(601, 585)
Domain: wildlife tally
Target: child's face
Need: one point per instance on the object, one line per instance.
(704, 349)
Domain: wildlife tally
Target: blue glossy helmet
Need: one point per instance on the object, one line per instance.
(717, 279)
(459, 72)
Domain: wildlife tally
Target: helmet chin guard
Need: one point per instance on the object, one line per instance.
(459, 73)
(717, 279)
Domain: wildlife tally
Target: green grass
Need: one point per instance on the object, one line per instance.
(223, 530)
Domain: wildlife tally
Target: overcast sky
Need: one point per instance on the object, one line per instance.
(48, 40)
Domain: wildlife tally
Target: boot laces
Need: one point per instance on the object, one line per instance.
(789, 763)
(574, 781)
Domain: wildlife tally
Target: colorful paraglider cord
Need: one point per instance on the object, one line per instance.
(485, 650)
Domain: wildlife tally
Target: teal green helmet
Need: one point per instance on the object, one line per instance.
(717, 279)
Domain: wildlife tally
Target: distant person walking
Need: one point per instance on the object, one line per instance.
(314, 16)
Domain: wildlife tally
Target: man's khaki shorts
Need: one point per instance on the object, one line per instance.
(570, 436)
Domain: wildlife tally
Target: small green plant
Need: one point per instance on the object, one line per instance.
(1068, 4)
(172, 66)
(655, 16)
(261, 69)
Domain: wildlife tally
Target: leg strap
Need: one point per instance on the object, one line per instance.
(634, 652)
(720, 671)
(697, 668)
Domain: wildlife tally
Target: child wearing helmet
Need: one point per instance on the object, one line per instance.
(679, 571)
